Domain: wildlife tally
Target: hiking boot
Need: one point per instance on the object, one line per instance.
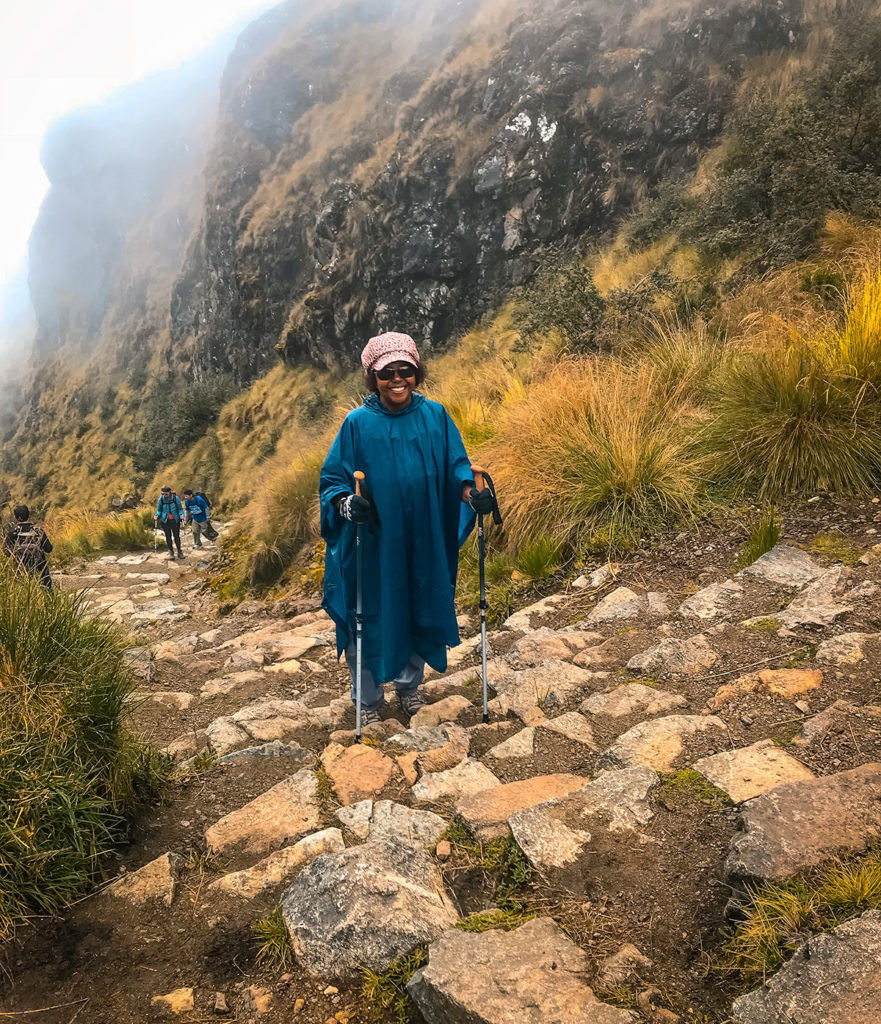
(170, 556)
(198, 547)
(180, 554)
(368, 717)
(411, 702)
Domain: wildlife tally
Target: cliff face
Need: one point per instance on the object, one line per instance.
(398, 164)
(345, 168)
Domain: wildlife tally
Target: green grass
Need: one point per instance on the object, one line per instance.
(762, 538)
(274, 950)
(767, 624)
(539, 558)
(386, 991)
(508, 874)
(71, 775)
(689, 783)
(836, 546)
(86, 534)
(495, 920)
(779, 917)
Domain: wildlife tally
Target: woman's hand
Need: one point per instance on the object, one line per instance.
(481, 501)
(354, 508)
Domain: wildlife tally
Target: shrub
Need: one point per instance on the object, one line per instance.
(595, 449)
(563, 297)
(70, 774)
(790, 161)
(786, 424)
(85, 532)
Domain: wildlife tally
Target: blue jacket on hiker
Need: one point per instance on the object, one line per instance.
(169, 507)
(416, 466)
(197, 508)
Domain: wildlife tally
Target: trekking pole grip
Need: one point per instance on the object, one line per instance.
(479, 482)
(359, 476)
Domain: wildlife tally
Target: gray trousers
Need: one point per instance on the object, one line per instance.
(373, 696)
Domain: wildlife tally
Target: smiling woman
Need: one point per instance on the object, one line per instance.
(417, 502)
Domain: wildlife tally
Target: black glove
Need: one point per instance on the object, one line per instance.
(354, 508)
(482, 502)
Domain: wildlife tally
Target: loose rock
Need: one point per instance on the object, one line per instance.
(785, 566)
(357, 772)
(279, 868)
(531, 975)
(675, 657)
(487, 812)
(633, 699)
(364, 908)
(154, 881)
(451, 786)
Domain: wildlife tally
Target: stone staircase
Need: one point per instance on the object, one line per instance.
(761, 685)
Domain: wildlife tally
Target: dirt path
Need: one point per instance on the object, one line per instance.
(248, 701)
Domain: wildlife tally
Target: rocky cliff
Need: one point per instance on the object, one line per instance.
(375, 164)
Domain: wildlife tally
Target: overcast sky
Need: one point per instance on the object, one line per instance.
(58, 55)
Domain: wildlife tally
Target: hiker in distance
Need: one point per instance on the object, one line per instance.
(27, 545)
(197, 511)
(416, 508)
(169, 513)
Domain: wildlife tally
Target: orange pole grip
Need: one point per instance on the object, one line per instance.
(359, 476)
(479, 482)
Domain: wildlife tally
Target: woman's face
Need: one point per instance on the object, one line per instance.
(396, 393)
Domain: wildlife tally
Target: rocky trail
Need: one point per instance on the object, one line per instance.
(764, 684)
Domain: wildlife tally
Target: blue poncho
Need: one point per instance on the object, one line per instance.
(415, 466)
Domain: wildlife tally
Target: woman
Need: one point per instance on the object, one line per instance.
(419, 507)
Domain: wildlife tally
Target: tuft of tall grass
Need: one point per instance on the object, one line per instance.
(779, 917)
(596, 449)
(274, 944)
(278, 522)
(83, 533)
(685, 358)
(787, 423)
(856, 350)
(70, 772)
(762, 538)
(539, 558)
(385, 992)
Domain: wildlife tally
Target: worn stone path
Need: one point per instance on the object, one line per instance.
(599, 696)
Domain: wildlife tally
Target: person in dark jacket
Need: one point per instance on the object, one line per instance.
(28, 545)
(169, 513)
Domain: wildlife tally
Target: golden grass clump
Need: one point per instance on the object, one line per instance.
(83, 533)
(598, 452)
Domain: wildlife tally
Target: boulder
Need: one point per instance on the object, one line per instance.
(797, 826)
(785, 566)
(284, 813)
(244, 661)
(224, 735)
(675, 657)
(753, 770)
(553, 834)
(661, 742)
(531, 975)
(357, 772)
(621, 604)
(155, 881)
(365, 907)
(451, 786)
(279, 868)
(712, 602)
(633, 699)
(834, 978)
(487, 812)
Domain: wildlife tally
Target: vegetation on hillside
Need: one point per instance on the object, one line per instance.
(71, 775)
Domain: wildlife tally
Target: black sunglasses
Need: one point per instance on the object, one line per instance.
(389, 373)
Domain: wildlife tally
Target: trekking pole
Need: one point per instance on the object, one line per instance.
(359, 476)
(479, 483)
